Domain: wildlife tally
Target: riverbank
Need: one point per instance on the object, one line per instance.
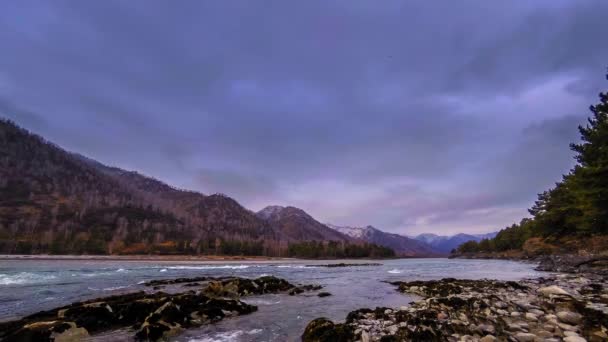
(564, 263)
(562, 307)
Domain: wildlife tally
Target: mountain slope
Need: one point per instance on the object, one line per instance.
(445, 244)
(295, 224)
(55, 201)
(402, 245)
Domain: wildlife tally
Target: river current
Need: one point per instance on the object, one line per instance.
(28, 286)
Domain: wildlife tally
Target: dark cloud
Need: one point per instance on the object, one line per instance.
(410, 116)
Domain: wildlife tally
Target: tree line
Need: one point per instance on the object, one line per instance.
(577, 206)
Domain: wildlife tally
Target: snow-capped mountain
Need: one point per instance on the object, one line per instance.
(402, 245)
(445, 244)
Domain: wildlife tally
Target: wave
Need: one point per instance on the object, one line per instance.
(24, 278)
(227, 336)
(209, 267)
(121, 270)
(395, 271)
(163, 270)
(261, 302)
(113, 288)
(294, 266)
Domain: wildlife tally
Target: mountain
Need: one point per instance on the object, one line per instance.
(445, 244)
(402, 245)
(58, 202)
(296, 224)
(55, 201)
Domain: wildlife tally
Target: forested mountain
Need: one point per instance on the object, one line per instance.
(296, 224)
(54, 201)
(445, 244)
(573, 215)
(402, 245)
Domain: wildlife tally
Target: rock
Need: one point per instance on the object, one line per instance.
(48, 331)
(324, 294)
(569, 317)
(364, 336)
(487, 338)
(553, 290)
(153, 316)
(531, 317)
(598, 336)
(574, 339)
(324, 330)
(525, 337)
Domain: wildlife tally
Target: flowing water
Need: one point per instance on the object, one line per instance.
(28, 286)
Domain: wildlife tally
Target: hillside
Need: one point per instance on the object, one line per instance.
(402, 245)
(54, 201)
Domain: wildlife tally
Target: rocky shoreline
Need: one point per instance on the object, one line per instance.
(152, 316)
(563, 307)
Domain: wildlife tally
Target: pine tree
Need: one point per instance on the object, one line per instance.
(591, 177)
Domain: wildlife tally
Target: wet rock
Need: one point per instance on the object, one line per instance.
(179, 281)
(304, 288)
(154, 316)
(324, 330)
(324, 294)
(48, 331)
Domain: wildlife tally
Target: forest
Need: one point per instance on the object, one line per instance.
(576, 208)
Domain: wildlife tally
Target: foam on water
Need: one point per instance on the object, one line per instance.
(395, 271)
(209, 267)
(227, 336)
(24, 278)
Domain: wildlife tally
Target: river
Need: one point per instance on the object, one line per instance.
(28, 286)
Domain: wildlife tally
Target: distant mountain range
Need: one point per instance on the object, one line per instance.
(402, 245)
(445, 244)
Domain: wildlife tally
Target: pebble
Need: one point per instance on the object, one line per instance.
(525, 337)
(574, 339)
(487, 338)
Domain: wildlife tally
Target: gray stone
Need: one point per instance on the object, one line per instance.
(574, 339)
(525, 337)
(569, 317)
(531, 317)
(553, 290)
(487, 338)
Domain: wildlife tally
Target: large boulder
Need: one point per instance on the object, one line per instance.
(324, 330)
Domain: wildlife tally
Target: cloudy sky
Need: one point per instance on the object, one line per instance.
(412, 116)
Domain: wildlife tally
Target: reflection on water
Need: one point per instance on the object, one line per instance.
(27, 286)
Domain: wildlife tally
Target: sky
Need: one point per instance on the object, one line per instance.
(411, 116)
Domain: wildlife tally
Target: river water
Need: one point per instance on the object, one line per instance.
(28, 286)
